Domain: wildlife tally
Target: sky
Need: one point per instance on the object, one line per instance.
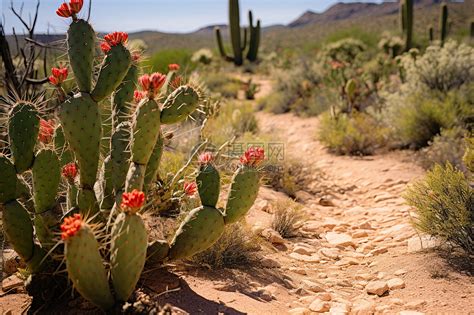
(179, 16)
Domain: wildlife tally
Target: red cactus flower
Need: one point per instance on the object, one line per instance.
(138, 95)
(136, 56)
(116, 38)
(253, 156)
(144, 82)
(64, 10)
(105, 47)
(69, 171)
(71, 225)
(205, 158)
(157, 80)
(46, 131)
(133, 201)
(173, 67)
(76, 6)
(190, 189)
(58, 75)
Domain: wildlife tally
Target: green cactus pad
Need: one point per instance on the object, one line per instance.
(71, 197)
(154, 162)
(157, 252)
(86, 269)
(43, 232)
(23, 128)
(46, 178)
(8, 190)
(82, 127)
(145, 131)
(60, 146)
(120, 155)
(87, 202)
(112, 72)
(200, 230)
(179, 105)
(135, 177)
(22, 189)
(18, 228)
(81, 49)
(209, 185)
(123, 96)
(128, 253)
(242, 195)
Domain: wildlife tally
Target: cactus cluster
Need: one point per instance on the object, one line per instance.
(239, 45)
(100, 225)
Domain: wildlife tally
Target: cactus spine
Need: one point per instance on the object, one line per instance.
(239, 45)
(443, 23)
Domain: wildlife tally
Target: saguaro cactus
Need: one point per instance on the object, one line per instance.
(443, 23)
(406, 20)
(239, 45)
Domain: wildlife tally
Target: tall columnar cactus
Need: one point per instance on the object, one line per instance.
(406, 21)
(443, 23)
(239, 44)
(431, 33)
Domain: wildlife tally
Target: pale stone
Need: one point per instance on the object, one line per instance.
(410, 313)
(337, 239)
(324, 296)
(312, 259)
(396, 283)
(300, 311)
(339, 308)
(332, 253)
(360, 234)
(363, 307)
(272, 236)
(400, 272)
(11, 282)
(378, 251)
(312, 286)
(269, 263)
(377, 287)
(319, 306)
(416, 243)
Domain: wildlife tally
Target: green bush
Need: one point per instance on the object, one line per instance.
(160, 61)
(418, 118)
(227, 86)
(449, 146)
(444, 202)
(359, 134)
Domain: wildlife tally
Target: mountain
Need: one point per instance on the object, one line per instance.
(344, 11)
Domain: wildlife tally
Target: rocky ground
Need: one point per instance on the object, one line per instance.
(357, 252)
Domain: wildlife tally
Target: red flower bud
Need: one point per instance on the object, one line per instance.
(190, 189)
(71, 225)
(205, 158)
(253, 156)
(133, 201)
(76, 6)
(173, 67)
(46, 131)
(64, 10)
(69, 171)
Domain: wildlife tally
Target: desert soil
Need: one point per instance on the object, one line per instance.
(357, 254)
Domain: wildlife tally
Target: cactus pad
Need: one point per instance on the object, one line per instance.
(154, 162)
(123, 96)
(200, 230)
(179, 105)
(128, 253)
(145, 131)
(135, 177)
(23, 128)
(113, 70)
(242, 195)
(46, 178)
(86, 269)
(18, 228)
(81, 48)
(120, 155)
(8, 190)
(209, 185)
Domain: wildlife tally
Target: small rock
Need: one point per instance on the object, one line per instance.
(324, 296)
(378, 251)
(400, 272)
(11, 282)
(319, 306)
(415, 304)
(297, 270)
(303, 196)
(332, 253)
(360, 234)
(312, 286)
(416, 243)
(365, 226)
(396, 283)
(339, 308)
(269, 263)
(272, 236)
(363, 307)
(377, 287)
(300, 311)
(326, 202)
(264, 294)
(396, 301)
(364, 276)
(337, 239)
(11, 262)
(303, 250)
(312, 259)
(264, 205)
(411, 313)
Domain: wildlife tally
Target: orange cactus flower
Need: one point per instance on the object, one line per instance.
(46, 131)
(76, 6)
(58, 75)
(173, 67)
(64, 10)
(133, 201)
(253, 156)
(190, 189)
(71, 225)
(69, 171)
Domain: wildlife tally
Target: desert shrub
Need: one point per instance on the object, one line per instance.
(225, 85)
(418, 118)
(356, 134)
(170, 163)
(160, 61)
(344, 50)
(284, 176)
(440, 68)
(203, 56)
(287, 218)
(236, 247)
(444, 203)
(448, 146)
(468, 158)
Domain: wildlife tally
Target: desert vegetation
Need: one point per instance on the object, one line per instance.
(240, 168)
